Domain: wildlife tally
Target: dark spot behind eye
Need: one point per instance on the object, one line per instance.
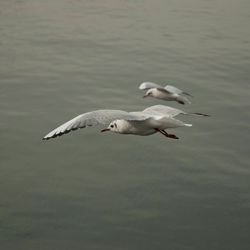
(115, 125)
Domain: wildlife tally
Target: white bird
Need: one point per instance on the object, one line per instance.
(149, 121)
(167, 93)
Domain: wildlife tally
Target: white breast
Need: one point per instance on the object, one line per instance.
(134, 127)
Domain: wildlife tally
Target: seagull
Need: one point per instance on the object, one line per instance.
(151, 120)
(167, 93)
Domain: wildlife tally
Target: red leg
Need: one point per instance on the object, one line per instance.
(166, 134)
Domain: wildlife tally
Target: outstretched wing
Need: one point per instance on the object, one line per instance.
(162, 110)
(92, 119)
(175, 90)
(149, 85)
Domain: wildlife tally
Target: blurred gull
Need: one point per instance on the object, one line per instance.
(147, 122)
(167, 93)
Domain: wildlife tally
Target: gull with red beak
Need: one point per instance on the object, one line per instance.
(167, 93)
(154, 119)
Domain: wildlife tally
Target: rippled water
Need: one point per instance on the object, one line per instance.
(95, 191)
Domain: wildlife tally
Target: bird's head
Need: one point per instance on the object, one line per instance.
(114, 126)
(148, 93)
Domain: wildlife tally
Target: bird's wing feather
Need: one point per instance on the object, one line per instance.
(92, 119)
(173, 89)
(162, 110)
(165, 91)
(149, 85)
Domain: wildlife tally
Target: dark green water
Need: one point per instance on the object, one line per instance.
(89, 190)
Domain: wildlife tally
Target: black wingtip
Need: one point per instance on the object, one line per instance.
(201, 114)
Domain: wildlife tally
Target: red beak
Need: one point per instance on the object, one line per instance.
(104, 130)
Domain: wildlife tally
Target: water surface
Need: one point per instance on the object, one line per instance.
(95, 191)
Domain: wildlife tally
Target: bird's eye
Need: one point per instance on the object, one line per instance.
(112, 126)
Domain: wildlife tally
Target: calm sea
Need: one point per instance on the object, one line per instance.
(94, 191)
